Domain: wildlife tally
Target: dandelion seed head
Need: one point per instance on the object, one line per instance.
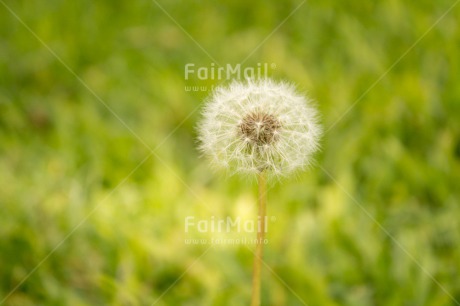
(253, 126)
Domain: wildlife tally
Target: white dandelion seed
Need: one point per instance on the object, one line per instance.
(259, 126)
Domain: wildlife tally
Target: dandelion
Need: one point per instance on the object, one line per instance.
(260, 128)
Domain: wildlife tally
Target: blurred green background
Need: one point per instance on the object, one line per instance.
(83, 222)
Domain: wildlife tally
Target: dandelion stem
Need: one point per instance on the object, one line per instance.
(262, 202)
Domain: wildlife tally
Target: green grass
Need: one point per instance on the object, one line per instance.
(381, 229)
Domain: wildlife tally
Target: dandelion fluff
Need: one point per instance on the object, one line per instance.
(254, 126)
